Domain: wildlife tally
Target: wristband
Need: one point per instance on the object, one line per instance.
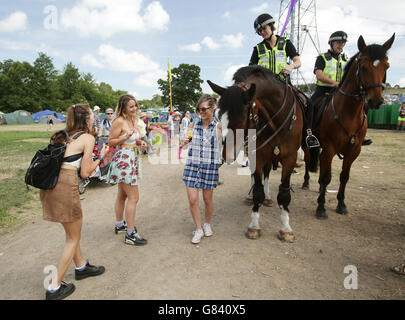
(100, 157)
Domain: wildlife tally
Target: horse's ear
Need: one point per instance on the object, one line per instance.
(361, 44)
(216, 88)
(249, 94)
(389, 43)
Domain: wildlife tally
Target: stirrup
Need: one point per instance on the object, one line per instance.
(312, 141)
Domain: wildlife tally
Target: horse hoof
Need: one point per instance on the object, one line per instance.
(268, 203)
(321, 214)
(342, 210)
(249, 201)
(253, 234)
(286, 236)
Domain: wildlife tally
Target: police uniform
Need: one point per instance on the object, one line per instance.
(332, 65)
(274, 59)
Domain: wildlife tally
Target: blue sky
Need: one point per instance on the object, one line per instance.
(127, 43)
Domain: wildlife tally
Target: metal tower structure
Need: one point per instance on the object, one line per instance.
(301, 28)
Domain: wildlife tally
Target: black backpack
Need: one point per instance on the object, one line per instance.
(44, 169)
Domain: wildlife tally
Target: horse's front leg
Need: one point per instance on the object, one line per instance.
(325, 177)
(283, 199)
(344, 178)
(254, 232)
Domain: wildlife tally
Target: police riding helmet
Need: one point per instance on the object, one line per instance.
(338, 36)
(262, 21)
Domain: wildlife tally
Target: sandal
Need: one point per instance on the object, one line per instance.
(399, 269)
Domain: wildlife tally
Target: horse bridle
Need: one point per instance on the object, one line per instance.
(253, 117)
(363, 90)
(360, 97)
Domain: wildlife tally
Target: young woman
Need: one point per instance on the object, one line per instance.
(124, 168)
(201, 170)
(401, 117)
(62, 204)
(184, 124)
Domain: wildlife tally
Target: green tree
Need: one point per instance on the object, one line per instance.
(186, 87)
(44, 81)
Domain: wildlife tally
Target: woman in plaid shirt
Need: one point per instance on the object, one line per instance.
(201, 170)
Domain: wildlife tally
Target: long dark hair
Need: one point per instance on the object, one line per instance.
(77, 116)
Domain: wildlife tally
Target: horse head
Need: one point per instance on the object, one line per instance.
(233, 109)
(372, 65)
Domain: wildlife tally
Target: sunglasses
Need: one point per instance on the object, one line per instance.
(199, 109)
(109, 114)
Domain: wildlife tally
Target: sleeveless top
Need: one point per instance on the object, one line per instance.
(132, 139)
(76, 159)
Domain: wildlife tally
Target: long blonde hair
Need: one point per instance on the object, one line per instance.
(122, 106)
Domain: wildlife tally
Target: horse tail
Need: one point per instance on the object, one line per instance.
(314, 159)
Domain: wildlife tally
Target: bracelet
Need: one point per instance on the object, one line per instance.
(100, 158)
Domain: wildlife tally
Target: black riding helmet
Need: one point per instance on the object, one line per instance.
(338, 36)
(262, 21)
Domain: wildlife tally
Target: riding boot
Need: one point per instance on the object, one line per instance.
(311, 140)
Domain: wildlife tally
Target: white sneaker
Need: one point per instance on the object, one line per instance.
(207, 230)
(198, 234)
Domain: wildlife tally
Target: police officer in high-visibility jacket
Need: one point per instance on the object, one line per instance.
(274, 53)
(329, 69)
(329, 66)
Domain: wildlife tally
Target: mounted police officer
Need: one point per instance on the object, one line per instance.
(329, 69)
(329, 66)
(274, 53)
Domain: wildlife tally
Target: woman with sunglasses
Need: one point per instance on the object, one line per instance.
(201, 170)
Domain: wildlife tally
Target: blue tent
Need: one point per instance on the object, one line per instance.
(57, 115)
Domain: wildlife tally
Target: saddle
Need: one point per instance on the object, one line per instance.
(319, 109)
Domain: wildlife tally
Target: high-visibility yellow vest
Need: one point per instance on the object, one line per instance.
(275, 59)
(334, 69)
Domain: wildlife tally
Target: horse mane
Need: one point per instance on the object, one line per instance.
(373, 51)
(243, 73)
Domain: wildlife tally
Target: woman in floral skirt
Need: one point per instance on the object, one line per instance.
(124, 168)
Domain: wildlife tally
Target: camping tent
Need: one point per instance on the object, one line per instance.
(44, 119)
(19, 117)
(59, 117)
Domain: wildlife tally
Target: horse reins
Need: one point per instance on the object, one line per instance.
(363, 90)
(360, 97)
(255, 118)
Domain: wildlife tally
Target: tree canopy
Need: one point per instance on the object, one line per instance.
(186, 87)
(39, 86)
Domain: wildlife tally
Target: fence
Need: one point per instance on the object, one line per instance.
(385, 117)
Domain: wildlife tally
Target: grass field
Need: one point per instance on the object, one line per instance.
(18, 145)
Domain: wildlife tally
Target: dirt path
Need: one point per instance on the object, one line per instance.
(227, 265)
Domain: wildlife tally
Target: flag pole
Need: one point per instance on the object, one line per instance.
(170, 85)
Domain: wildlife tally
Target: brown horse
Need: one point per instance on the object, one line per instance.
(267, 106)
(343, 125)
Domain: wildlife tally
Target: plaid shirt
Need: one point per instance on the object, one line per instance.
(204, 157)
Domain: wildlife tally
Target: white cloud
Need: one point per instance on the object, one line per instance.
(230, 71)
(234, 41)
(195, 47)
(111, 58)
(106, 18)
(150, 78)
(401, 83)
(16, 21)
(210, 43)
(90, 60)
(260, 9)
(227, 15)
